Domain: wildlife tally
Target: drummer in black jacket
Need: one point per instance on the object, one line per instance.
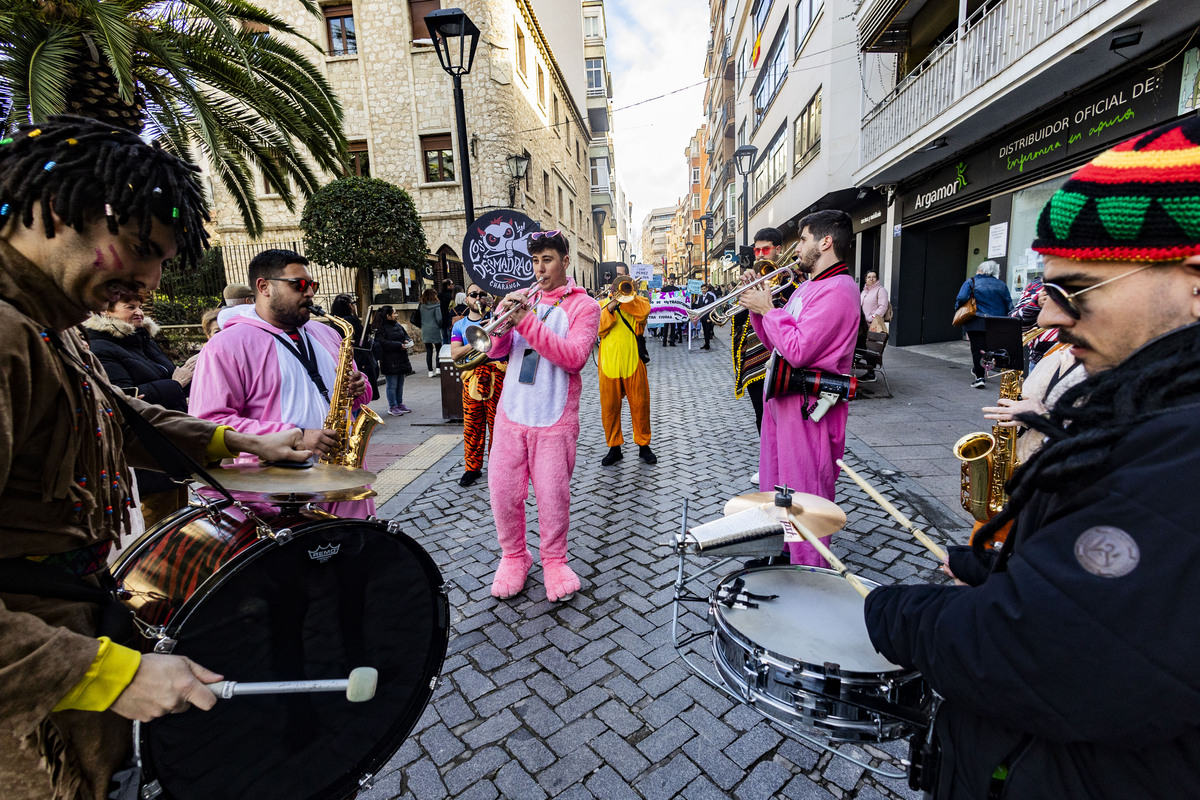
(1072, 668)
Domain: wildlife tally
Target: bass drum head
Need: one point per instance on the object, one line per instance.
(339, 595)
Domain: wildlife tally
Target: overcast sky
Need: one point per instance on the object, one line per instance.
(655, 47)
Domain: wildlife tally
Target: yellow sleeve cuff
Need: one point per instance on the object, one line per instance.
(111, 671)
(216, 449)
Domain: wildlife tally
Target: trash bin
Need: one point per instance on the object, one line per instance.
(452, 409)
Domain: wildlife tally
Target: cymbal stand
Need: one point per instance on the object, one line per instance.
(682, 543)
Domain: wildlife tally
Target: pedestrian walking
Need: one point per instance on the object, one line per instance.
(391, 347)
(992, 299)
(428, 317)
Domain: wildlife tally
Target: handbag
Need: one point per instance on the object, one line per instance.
(643, 353)
(887, 315)
(967, 311)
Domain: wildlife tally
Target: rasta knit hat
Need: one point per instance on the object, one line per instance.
(1139, 201)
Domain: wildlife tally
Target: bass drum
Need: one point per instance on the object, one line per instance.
(335, 595)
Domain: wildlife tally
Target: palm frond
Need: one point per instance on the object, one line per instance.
(47, 70)
(111, 29)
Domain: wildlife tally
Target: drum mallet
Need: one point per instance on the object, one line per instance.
(917, 533)
(359, 687)
(828, 555)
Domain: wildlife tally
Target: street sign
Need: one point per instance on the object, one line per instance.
(695, 285)
(656, 282)
(641, 272)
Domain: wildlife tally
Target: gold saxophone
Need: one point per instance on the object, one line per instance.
(352, 433)
(988, 459)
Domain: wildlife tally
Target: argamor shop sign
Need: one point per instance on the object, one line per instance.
(1138, 99)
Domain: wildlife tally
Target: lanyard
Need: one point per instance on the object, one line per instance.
(303, 351)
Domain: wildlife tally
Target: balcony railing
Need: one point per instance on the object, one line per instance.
(991, 41)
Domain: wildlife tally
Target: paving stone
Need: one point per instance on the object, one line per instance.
(501, 699)
(751, 745)
(483, 790)
(581, 703)
(538, 716)
(802, 788)
(803, 757)
(493, 729)
(565, 640)
(607, 784)
(590, 675)
(763, 782)
(481, 763)
(512, 781)
(547, 687)
(713, 762)
(666, 708)
(703, 789)
(441, 744)
(472, 684)
(570, 769)
(530, 752)
(616, 715)
(666, 782)
(487, 657)
(453, 710)
(620, 755)
(423, 781)
(581, 731)
(666, 740)
(842, 772)
(625, 690)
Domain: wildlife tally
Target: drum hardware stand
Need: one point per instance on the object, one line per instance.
(680, 544)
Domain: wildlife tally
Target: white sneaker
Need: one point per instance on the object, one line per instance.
(754, 479)
(432, 374)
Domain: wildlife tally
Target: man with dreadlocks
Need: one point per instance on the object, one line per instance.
(1070, 665)
(88, 215)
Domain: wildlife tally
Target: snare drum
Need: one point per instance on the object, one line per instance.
(805, 657)
(334, 595)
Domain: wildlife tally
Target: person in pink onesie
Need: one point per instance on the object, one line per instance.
(817, 330)
(270, 371)
(537, 423)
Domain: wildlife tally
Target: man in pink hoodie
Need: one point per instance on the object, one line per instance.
(537, 423)
(270, 370)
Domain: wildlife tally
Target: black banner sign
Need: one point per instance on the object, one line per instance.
(496, 251)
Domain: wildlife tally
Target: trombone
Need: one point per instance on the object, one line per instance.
(623, 290)
(778, 278)
(480, 337)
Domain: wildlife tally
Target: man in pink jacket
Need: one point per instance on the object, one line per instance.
(816, 330)
(537, 423)
(272, 371)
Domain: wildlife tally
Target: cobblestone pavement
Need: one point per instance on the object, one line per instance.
(588, 698)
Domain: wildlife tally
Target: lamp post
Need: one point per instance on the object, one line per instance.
(516, 165)
(743, 159)
(455, 38)
(707, 220)
(622, 244)
(690, 245)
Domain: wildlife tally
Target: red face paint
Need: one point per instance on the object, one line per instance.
(118, 264)
(99, 262)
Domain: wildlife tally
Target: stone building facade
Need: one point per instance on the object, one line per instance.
(400, 121)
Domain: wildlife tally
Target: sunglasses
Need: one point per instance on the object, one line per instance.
(1066, 300)
(477, 294)
(302, 284)
(758, 251)
(544, 235)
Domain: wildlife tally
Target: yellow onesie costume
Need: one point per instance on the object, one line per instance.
(622, 373)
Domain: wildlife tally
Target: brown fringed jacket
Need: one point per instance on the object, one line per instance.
(50, 503)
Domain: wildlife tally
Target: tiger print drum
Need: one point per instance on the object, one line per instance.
(334, 595)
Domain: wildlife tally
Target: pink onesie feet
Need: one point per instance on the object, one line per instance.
(511, 574)
(561, 581)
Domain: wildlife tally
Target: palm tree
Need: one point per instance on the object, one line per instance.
(207, 78)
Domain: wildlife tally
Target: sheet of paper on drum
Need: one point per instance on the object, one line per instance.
(749, 532)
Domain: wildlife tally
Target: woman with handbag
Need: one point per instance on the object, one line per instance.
(985, 295)
(391, 347)
(875, 305)
(428, 317)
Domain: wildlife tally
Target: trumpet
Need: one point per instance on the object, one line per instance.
(623, 290)
(778, 278)
(480, 337)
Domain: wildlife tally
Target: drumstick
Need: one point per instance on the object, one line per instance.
(359, 687)
(828, 555)
(917, 533)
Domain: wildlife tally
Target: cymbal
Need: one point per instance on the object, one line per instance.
(321, 483)
(822, 517)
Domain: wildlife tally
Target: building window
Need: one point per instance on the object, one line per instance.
(772, 168)
(697, 228)
(439, 158)
(599, 173)
(567, 133)
(541, 75)
(417, 9)
(806, 13)
(554, 105)
(772, 75)
(695, 174)
(807, 133)
(546, 188)
(591, 26)
(595, 76)
(760, 12)
(339, 30)
(268, 187)
(741, 67)
(360, 161)
(696, 201)
(578, 158)
(520, 51)
(571, 216)
(741, 139)
(560, 202)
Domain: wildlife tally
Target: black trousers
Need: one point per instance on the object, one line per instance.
(978, 340)
(755, 390)
(708, 331)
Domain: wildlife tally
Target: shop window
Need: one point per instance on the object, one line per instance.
(439, 158)
(1023, 264)
(807, 133)
(339, 30)
(418, 9)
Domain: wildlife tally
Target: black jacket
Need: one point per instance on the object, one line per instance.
(1084, 644)
(389, 349)
(133, 359)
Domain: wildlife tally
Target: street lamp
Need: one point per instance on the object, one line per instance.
(743, 158)
(516, 165)
(455, 38)
(690, 245)
(707, 220)
(622, 244)
(598, 215)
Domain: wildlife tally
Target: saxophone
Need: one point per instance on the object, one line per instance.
(352, 433)
(988, 459)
